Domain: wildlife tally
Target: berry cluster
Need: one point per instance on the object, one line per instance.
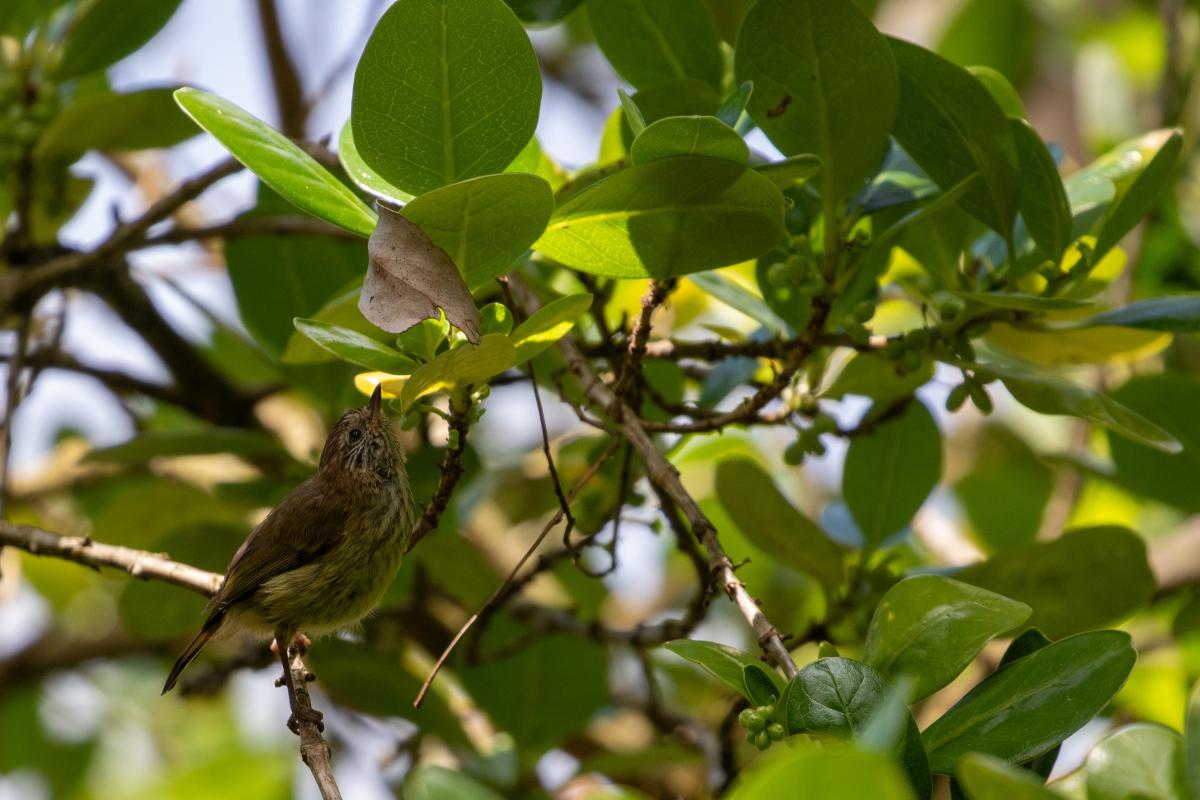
(761, 729)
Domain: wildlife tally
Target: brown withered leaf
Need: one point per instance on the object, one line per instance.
(409, 278)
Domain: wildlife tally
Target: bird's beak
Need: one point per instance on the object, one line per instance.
(376, 401)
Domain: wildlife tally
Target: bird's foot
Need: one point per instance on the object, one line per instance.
(304, 714)
(300, 644)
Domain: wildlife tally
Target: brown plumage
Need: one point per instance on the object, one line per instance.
(324, 556)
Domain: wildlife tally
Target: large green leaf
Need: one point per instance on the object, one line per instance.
(648, 43)
(688, 136)
(279, 278)
(1170, 398)
(136, 120)
(824, 83)
(667, 217)
(1141, 197)
(281, 164)
(484, 224)
(1046, 393)
(1044, 205)
(988, 778)
(891, 470)
(1087, 578)
(363, 176)
(1177, 313)
(1142, 760)
(725, 663)
(737, 297)
(775, 526)
(109, 30)
(460, 367)
(951, 126)
(932, 627)
(1006, 489)
(200, 441)
(827, 773)
(1031, 705)
(548, 324)
(531, 696)
(840, 696)
(444, 92)
(356, 348)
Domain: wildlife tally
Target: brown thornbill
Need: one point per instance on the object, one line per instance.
(323, 558)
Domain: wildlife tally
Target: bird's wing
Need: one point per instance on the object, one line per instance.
(302, 528)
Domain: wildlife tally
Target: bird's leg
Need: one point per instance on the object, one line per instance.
(302, 710)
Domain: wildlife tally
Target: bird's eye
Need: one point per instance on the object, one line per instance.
(355, 434)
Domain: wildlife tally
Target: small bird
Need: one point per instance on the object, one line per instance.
(324, 556)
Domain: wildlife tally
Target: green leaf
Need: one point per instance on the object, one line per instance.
(444, 92)
(1046, 393)
(460, 367)
(1141, 197)
(1006, 489)
(341, 310)
(734, 103)
(933, 627)
(672, 216)
(1170, 478)
(109, 30)
(532, 697)
(1177, 313)
(1141, 760)
(632, 114)
(1019, 301)
(1191, 741)
(679, 97)
(202, 441)
(775, 526)
(727, 664)
(138, 120)
(542, 12)
(824, 83)
(736, 297)
(275, 159)
(878, 378)
(355, 347)
(790, 171)
(839, 696)
(548, 324)
(827, 773)
(279, 278)
(1044, 204)
(988, 778)
(422, 340)
(374, 680)
(763, 686)
(1034, 703)
(891, 470)
(484, 224)
(363, 176)
(648, 43)
(952, 127)
(1087, 578)
(427, 782)
(1003, 92)
(688, 136)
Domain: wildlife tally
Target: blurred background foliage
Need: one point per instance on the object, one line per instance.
(82, 653)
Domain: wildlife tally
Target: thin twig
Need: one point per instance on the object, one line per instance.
(16, 366)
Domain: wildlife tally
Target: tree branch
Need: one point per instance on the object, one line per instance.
(289, 93)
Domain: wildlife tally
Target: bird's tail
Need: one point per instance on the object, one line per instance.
(193, 649)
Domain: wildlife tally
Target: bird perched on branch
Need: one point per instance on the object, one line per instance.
(324, 556)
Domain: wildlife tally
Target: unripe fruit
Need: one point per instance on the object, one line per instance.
(864, 311)
(918, 339)
(794, 454)
(911, 360)
(744, 717)
(776, 732)
(756, 722)
(762, 740)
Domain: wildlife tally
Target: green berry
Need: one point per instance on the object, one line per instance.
(776, 732)
(951, 308)
(980, 397)
(911, 360)
(778, 275)
(864, 311)
(751, 736)
(744, 717)
(918, 339)
(766, 711)
(762, 740)
(894, 349)
(794, 454)
(956, 398)
(756, 722)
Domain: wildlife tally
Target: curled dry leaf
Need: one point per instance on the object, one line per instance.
(409, 278)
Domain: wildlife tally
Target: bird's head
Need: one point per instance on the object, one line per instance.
(362, 445)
